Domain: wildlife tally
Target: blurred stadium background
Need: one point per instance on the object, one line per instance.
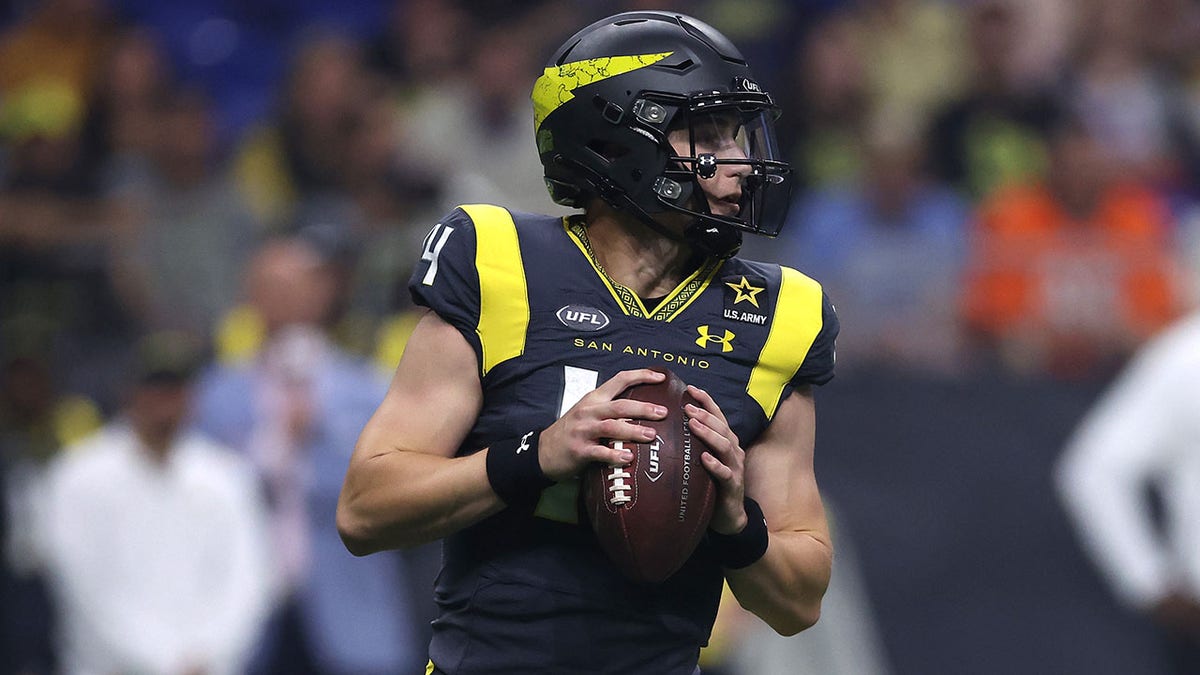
(999, 195)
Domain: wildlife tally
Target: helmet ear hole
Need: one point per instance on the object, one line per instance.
(611, 112)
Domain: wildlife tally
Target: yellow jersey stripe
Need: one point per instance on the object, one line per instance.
(503, 294)
(795, 325)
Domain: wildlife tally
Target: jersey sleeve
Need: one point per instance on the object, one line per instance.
(798, 349)
(817, 367)
(446, 279)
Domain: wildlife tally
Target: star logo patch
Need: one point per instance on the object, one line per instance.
(745, 291)
(745, 301)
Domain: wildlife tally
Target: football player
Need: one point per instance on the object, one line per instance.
(652, 124)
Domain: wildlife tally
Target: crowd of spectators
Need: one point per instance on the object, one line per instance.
(1007, 186)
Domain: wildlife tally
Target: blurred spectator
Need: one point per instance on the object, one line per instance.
(1069, 275)
(296, 410)
(35, 421)
(179, 265)
(295, 160)
(123, 118)
(764, 30)
(55, 237)
(1145, 432)
(393, 201)
(997, 133)
(827, 105)
(1170, 30)
(238, 51)
(387, 182)
(1046, 30)
(912, 50)
(154, 536)
(424, 43)
(59, 43)
(41, 128)
(889, 251)
(477, 129)
(1116, 92)
(1173, 37)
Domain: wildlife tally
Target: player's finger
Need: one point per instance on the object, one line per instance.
(718, 424)
(705, 417)
(623, 430)
(625, 379)
(718, 470)
(616, 453)
(706, 401)
(718, 444)
(629, 408)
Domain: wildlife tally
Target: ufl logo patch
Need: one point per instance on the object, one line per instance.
(582, 317)
(745, 300)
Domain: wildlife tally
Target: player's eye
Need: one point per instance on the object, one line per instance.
(713, 132)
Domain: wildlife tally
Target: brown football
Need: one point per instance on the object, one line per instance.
(649, 516)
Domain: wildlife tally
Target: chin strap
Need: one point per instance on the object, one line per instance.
(708, 238)
(721, 241)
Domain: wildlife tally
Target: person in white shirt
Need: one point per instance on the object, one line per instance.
(1145, 431)
(154, 537)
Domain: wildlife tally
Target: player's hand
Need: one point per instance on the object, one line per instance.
(726, 462)
(581, 436)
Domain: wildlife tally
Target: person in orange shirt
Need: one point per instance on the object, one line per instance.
(1068, 275)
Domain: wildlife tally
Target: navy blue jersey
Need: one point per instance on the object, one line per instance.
(533, 592)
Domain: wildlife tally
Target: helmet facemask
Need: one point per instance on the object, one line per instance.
(725, 151)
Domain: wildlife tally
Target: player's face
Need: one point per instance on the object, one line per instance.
(720, 135)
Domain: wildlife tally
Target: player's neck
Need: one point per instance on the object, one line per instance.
(635, 256)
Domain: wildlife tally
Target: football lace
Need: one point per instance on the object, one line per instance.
(619, 488)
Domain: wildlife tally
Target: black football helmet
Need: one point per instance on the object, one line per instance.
(606, 102)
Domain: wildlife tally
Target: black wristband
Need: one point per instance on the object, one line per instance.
(735, 551)
(514, 472)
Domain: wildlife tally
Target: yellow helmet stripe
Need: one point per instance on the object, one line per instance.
(557, 84)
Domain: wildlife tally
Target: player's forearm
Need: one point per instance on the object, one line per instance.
(784, 588)
(405, 498)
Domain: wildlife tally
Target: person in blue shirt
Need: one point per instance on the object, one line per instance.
(653, 125)
(891, 247)
(294, 410)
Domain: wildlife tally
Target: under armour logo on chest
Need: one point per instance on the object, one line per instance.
(707, 337)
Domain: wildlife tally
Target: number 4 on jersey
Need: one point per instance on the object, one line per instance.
(431, 248)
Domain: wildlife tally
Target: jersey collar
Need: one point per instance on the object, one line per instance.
(671, 305)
